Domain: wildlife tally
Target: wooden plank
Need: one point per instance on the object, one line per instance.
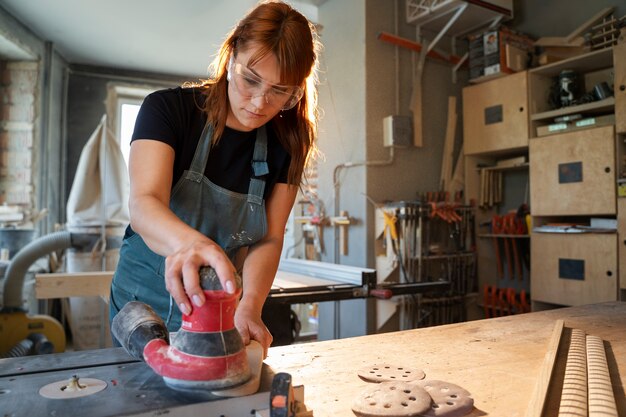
(574, 393)
(538, 398)
(448, 147)
(82, 284)
(601, 397)
(580, 30)
(496, 360)
(619, 60)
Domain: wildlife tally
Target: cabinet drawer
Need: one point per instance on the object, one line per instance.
(573, 173)
(619, 61)
(573, 269)
(621, 242)
(495, 115)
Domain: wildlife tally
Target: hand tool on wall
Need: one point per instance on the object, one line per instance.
(524, 305)
(496, 229)
(510, 227)
(342, 221)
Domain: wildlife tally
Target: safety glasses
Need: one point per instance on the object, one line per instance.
(250, 85)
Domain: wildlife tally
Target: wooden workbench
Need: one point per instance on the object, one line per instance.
(498, 360)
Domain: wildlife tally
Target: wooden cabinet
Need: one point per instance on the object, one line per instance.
(495, 115)
(621, 244)
(573, 173)
(619, 59)
(574, 268)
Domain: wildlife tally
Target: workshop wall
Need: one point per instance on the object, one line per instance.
(390, 79)
(342, 125)
(539, 18)
(33, 83)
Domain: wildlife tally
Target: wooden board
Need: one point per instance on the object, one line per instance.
(595, 255)
(538, 400)
(83, 284)
(90, 284)
(592, 150)
(619, 59)
(601, 396)
(574, 393)
(497, 360)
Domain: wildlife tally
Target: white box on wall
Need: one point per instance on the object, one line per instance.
(397, 131)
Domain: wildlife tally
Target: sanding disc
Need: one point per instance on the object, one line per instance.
(392, 399)
(72, 388)
(386, 372)
(449, 400)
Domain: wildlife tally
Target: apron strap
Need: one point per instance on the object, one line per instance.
(201, 156)
(260, 167)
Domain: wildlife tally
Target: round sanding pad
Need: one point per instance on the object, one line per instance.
(392, 399)
(72, 388)
(449, 400)
(386, 372)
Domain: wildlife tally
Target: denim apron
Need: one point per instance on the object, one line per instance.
(232, 220)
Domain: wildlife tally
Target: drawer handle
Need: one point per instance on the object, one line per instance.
(521, 109)
(607, 169)
(622, 87)
(609, 273)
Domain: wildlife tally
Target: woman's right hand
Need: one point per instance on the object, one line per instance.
(182, 278)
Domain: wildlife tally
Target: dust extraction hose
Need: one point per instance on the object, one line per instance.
(15, 273)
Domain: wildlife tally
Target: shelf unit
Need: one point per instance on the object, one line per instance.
(572, 176)
(592, 68)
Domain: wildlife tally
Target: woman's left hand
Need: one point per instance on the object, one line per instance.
(251, 327)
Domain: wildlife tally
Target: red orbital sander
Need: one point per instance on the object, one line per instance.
(206, 354)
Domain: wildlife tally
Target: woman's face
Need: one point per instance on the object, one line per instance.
(250, 112)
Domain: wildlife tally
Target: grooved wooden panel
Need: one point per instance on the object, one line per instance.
(504, 98)
(619, 60)
(549, 251)
(601, 396)
(551, 158)
(574, 393)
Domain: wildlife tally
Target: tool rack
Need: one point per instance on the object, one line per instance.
(429, 241)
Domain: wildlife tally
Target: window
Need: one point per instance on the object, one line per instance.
(127, 116)
(123, 102)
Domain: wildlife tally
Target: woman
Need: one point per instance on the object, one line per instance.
(215, 169)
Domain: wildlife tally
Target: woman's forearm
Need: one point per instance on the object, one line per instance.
(258, 273)
(160, 228)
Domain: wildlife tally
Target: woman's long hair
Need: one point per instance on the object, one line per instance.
(275, 28)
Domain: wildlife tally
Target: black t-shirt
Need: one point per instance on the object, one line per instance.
(174, 116)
